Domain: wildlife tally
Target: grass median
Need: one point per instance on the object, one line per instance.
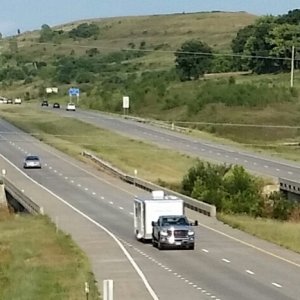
(153, 163)
(38, 262)
(286, 234)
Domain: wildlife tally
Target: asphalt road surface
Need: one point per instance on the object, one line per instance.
(209, 150)
(226, 264)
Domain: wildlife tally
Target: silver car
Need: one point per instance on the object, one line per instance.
(32, 162)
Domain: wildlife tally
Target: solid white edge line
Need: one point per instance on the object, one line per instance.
(250, 245)
(129, 257)
(277, 285)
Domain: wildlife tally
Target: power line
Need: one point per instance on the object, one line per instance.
(239, 55)
(173, 51)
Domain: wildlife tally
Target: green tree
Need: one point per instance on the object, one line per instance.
(46, 33)
(238, 46)
(292, 17)
(193, 59)
(282, 38)
(84, 30)
(258, 47)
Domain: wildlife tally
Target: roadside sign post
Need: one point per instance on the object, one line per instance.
(74, 92)
(108, 289)
(125, 105)
(135, 175)
(87, 290)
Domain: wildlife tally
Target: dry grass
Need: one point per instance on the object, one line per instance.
(217, 29)
(286, 234)
(69, 135)
(38, 262)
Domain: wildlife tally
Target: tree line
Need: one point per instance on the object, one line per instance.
(234, 191)
(263, 47)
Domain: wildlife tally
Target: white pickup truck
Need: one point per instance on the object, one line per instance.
(160, 218)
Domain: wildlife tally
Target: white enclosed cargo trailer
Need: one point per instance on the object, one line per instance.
(148, 209)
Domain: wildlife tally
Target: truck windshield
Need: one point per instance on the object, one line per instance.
(174, 221)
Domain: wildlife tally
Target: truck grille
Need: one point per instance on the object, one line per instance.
(178, 233)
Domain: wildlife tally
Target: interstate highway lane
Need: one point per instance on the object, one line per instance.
(209, 150)
(219, 268)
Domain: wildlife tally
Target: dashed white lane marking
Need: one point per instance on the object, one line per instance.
(245, 161)
(60, 174)
(278, 170)
(179, 276)
(86, 189)
(79, 185)
(50, 167)
(277, 285)
(254, 163)
(46, 164)
(266, 166)
(72, 181)
(291, 173)
(126, 253)
(102, 198)
(202, 150)
(121, 207)
(54, 171)
(110, 202)
(66, 178)
(94, 193)
(250, 272)
(205, 250)
(131, 213)
(227, 156)
(218, 154)
(225, 260)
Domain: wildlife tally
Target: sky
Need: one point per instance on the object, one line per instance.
(31, 14)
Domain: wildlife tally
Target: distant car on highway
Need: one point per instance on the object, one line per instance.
(32, 162)
(56, 105)
(18, 101)
(9, 101)
(71, 106)
(44, 103)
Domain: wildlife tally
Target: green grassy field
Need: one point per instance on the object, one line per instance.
(38, 262)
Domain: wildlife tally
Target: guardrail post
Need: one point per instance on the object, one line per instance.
(87, 290)
(108, 286)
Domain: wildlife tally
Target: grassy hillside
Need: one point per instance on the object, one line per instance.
(145, 72)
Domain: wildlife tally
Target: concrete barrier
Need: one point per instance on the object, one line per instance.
(21, 198)
(193, 204)
(290, 188)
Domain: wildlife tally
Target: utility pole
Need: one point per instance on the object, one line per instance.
(292, 66)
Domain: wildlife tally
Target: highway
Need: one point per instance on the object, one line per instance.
(209, 150)
(227, 264)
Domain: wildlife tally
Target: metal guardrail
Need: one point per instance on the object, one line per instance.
(289, 186)
(24, 200)
(193, 204)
